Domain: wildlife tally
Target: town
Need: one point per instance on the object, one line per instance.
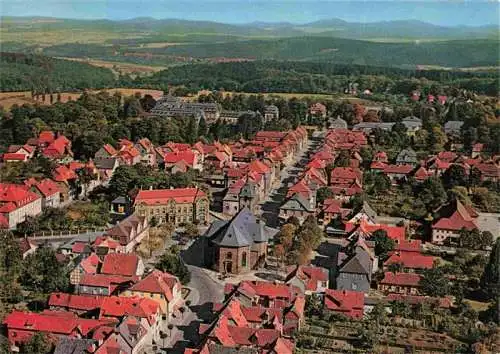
(338, 230)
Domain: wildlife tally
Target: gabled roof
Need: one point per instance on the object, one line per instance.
(297, 202)
(344, 300)
(456, 216)
(157, 282)
(402, 279)
(48, 187)
(75, 302)
(411, 260)
(13, 196)
(125, 264)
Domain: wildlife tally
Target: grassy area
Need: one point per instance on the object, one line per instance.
(119, 67)
(477, 305)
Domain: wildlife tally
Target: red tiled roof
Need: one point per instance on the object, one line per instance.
(258, 166)
(378, 165)
(64, 174)
(158, 283)
(422, 174)
(478, 147)
(57, 148)
(489, 170)
(78, 247)
(162, 196)
(410, 260)
(447, 156)
(76, 302)
(187, 156)
(110, 149)
(48, 187)
(46, 137)
(14, 196)
(397, 233)
(344, 301)
(398, 169)
(408, 246)
(309, 275)
(89, 264)
(402, 279)
(346, 173)
(14, 157)
(119, 306)
(125, 264)
(463, 217)
(105, 280)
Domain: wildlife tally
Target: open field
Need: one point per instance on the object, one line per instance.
(8, 99)
(119, 67)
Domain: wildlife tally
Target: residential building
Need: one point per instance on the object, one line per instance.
(129, 232)
(355, 266)
(338, 123)
(309, 279)
(412, 124)
(181, 205)
(126, 265)
(400, 283)
(317, 110)
(296, 206)
(17, 203)
(237, 245)
(344, 302)
(271, 112)
(163, 288)
(104, 284)
(410, 260)
(453, 217)
(49, 191)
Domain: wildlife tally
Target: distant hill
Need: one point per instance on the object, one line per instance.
(464, 53)
(20, 72)
(149, 27)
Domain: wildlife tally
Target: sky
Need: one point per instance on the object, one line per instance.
(440, 12)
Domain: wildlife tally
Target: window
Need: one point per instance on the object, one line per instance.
(229, 255)
(244, 259)
(354, 286)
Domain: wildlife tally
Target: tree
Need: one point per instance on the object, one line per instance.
(401, 308)
(42, 272)
(383, 244)
(10, 267)
(202, 127)
(173, 264)
(322, 194)
(38, 344)
(381, 183)
(286, 236)
(191, 231)
(343, 159)
(490, 280)
(434, 282)
(432, 193)
(85, 146)
(455, 175)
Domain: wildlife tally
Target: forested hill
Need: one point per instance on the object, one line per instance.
(313, 77)
(20, 72)
(463, 53)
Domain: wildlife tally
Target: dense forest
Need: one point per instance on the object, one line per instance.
(310, 77)
(19, 72)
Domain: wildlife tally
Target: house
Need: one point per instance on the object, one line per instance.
(163, 288)
(26, 150)
(317, 110)
(397, 173)
(79, 304)
(421, 174)
(84, 265)
(400, 283)
(147, 151)
(407, 157)
(332, 210)
(355, 266)
(105, 244)
(191, 158)
(127, 265)
(106, 168)
(344, 302)
(49, 191)
(59, 149)
(296, 206)
(346, 176)
(21, 326)
(410, 260)
(477, 149)
(338, 123)
(129, 232)
(237, 245)
(490, 171)
(104, 284)
(271, 112)
(180, 205)
(453, 127)
(412, 125)
(105, 152)
(309, 279)
(453, 217)
(26, 247)
(16, 204)
(369, 127)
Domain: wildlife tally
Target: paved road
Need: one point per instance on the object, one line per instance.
(270, 208)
